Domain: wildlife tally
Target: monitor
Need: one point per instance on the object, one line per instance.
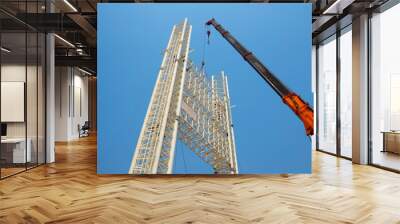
(3, 129)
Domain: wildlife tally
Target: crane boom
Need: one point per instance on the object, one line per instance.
(291, 99)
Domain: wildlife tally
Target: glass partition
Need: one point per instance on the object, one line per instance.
(346, 92)
(41, 97)
(385, 89)
(327, 95)
(13, 109)
(22, 91)
(32, 95)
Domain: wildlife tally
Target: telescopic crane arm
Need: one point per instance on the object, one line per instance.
(291, 99)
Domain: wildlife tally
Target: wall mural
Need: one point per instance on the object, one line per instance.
(180, 93)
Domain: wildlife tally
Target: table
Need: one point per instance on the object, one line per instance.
(391, 141)
(13, 150)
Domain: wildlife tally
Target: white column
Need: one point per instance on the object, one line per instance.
(63, 104)
(360, 90)
(50, 92)
(50, 99)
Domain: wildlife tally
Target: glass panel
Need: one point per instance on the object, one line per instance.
(32, 94)
(313, 84)
(32, 88)
(22, 90)
(327, 95)
(13, 89)
(346, 93)
(41, 98)
(385, 84)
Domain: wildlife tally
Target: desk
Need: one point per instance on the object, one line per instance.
(13, 150)
(391, 141)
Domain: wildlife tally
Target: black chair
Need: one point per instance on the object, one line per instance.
(84, 130)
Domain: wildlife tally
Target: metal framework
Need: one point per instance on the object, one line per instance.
(185, 105)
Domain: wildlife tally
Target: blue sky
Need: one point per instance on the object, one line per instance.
(269, 137)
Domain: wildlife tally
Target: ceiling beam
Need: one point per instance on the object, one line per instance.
(83, 23)
(338, 6)
(81, 61)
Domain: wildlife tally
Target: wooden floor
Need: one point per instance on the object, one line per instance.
(69, 191)
(5, 172)
(387, 159)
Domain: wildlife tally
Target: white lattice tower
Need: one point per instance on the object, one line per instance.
(185, 104)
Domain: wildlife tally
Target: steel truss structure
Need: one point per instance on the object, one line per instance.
(185, 105)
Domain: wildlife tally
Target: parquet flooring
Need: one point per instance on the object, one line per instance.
(70, 191)
(5, 172)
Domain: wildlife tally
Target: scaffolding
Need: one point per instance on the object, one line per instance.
(185, 105)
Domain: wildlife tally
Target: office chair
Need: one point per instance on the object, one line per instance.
(84, 130)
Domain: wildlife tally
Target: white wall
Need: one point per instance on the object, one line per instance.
(13, 73)
(62, 82)
(71, 102)
(33, 127)
(80, 112)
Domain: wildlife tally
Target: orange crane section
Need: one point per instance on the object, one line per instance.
(295, 102)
